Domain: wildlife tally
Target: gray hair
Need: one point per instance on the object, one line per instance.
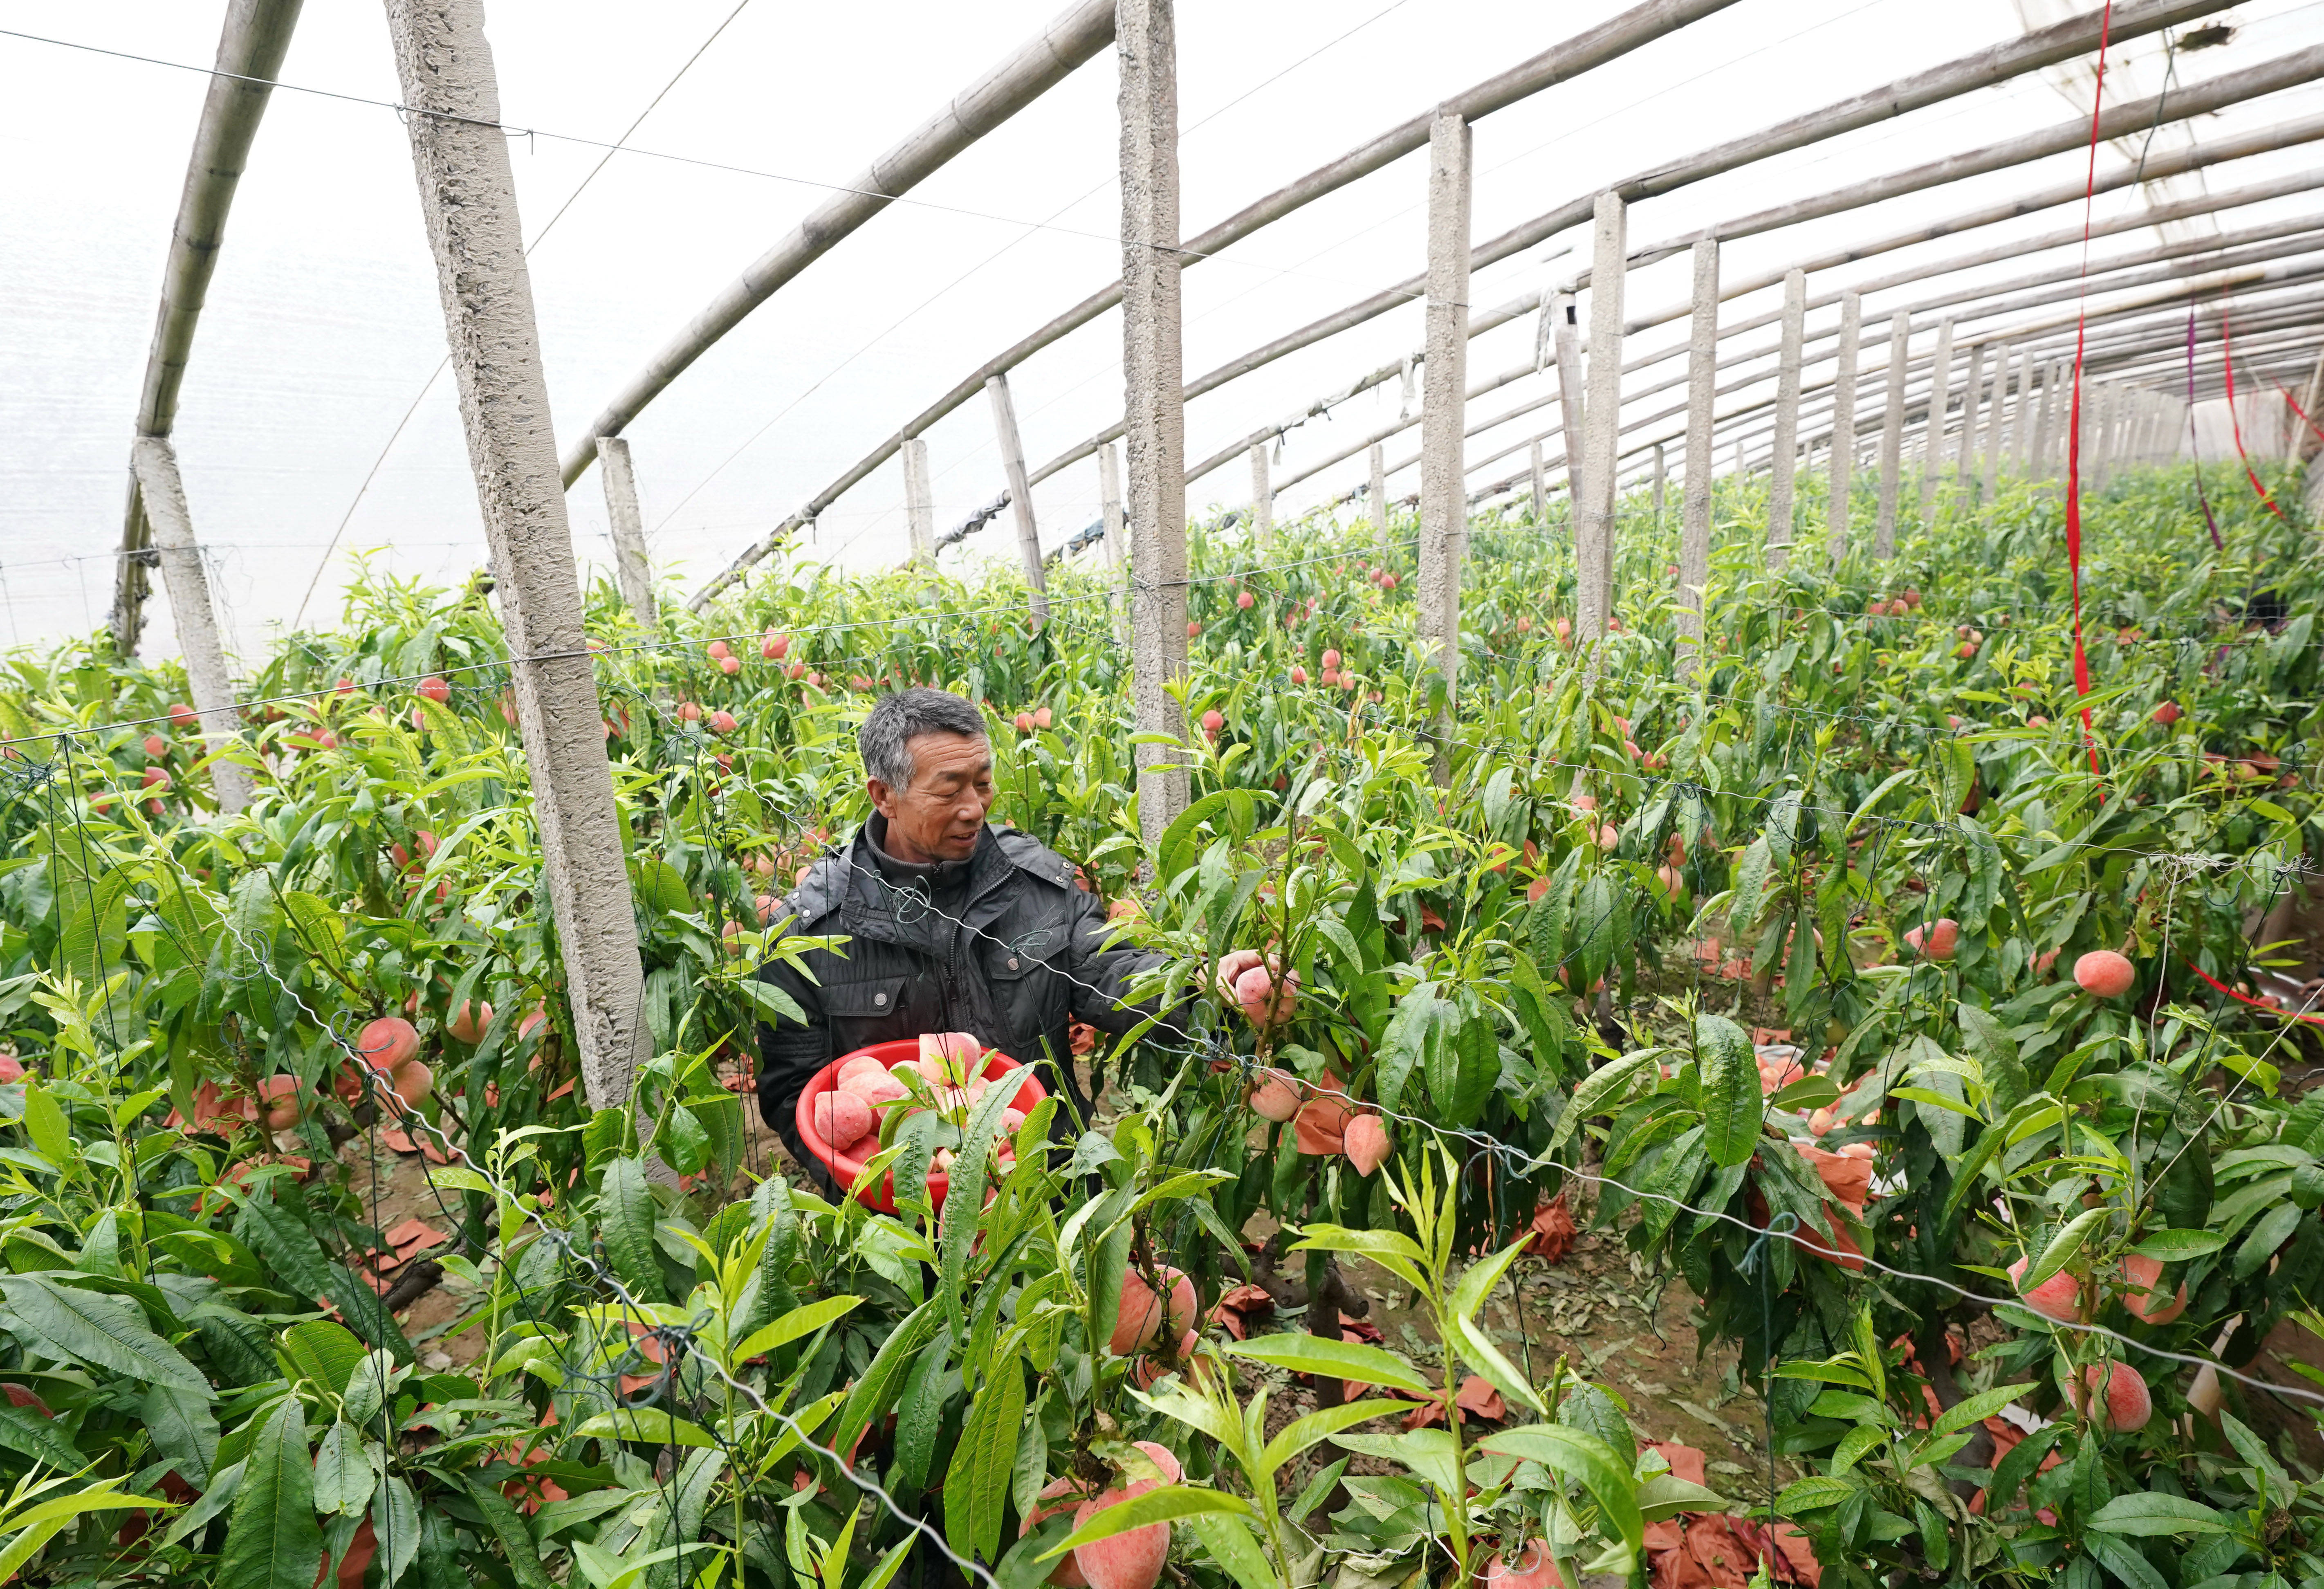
(895, 720)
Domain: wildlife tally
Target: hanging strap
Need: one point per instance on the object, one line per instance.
(2074, 407)
(2235, 420)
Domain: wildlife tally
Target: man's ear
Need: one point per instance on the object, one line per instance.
(882, 798)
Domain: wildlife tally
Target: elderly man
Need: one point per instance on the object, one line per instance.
(951, 924)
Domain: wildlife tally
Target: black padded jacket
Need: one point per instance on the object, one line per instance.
(1012, 956)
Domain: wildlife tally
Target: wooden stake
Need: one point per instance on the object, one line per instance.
(1021, 495)
(1153, 373)
(920, 506)
(630, 570)
(1892, 434)
(1784, 458)
(1843, 428)
(155, 462)
(1694, 524)
(468, 198)
(1443, 498)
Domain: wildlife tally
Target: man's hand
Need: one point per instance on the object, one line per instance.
(1248, 978)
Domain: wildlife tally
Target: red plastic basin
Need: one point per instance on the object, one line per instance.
(844, 1167)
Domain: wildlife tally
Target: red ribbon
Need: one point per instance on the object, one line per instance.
(2228, 357)
(2074, 408)
(2246, 998)
(2294, 403)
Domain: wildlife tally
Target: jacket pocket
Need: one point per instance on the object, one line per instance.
(861, 1013)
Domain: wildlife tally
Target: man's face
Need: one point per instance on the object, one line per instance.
(940, 815)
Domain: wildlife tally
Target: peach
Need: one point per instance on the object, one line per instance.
(1535, 1568)
(1275, 1100)
(1133, 1559)
(2128, 1403)
(2167, 713)
(1609, 837)
(1937, 940)
(875, 1090)
(861, 1067)
(387, 1042)
(775, 647)
(2143, 1272)
(841, 1116)
(1140, 1322)
(469, 1021)
(1067, 1493)
(1261, 1002)
(1321, 1126)
(1367, 1143)
(183, 716)
(412, 1081)
(282, 1101)
(2058, 1298)
(2104, 975)
(436, 689)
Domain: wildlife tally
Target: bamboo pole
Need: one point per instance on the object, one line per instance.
(1595, 529)
(468, 198)
(1021, 495)
(1892, 434)
(1444, 505)
(252, 42)
(920, 506)
(1843, 459)
(631, 570)
(155, 462)
(1783, 459)
(1694, 530)
(1153, 401)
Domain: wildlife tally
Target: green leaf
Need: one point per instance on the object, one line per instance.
(516, 1540)
(2151, 1512)
(1231, 1545)
(1417, 1032)
(797, 1322)
(2063, 1247)
(1391, 1250)
(2177, 1246)
(2121, 1559)
(324, 1352)
(274, 1541)
(1976, 1407)
(654, 1425)
(1324, 1423)
(1750, 895)
(343, 1478)
(1665, 1495)
(1852, 1446)
(1570, 1452)
(44, 1123)
(976, 1484)
(1812, 1495)
(1733, 1106)
(627, 1212)
(1595, 1092)
(102, 1332)
(22, 1429)
(1164, 1505)
(1336, 1360)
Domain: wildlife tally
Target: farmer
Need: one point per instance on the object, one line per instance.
(952, 923)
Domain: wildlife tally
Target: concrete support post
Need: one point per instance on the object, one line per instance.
(1153, 367)
(1444, 403)
(2096, 413)
(467, 196)
(1784, 454)
(2045, 415)
(1932, 433)
(1379, 491)
(1996, 412)
(1972, 398)
(1892, 435)
(920, 505)
(1540, 488)
(1116, 533)
(1262, 495)
(1661, 479)
(1020, 492)
(1843, 428)
(155, 463)
(1595, 529)
(631, 571)
(1702, 387)
(1565, 337)
(2021, 428)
